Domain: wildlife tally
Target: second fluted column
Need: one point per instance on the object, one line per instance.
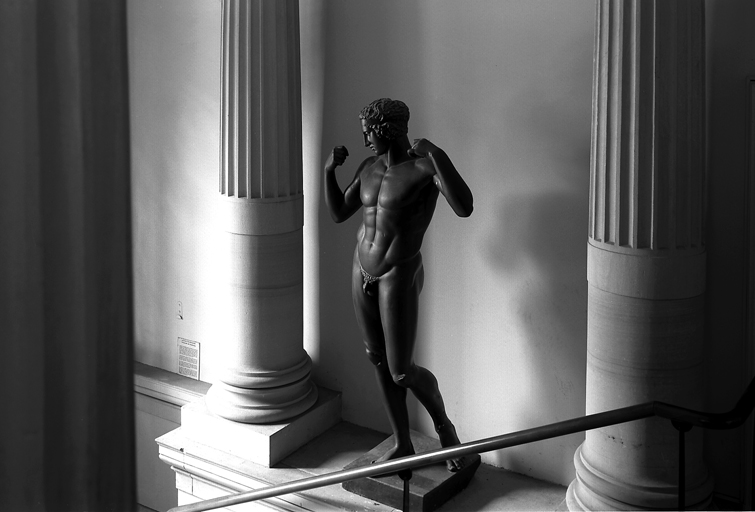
(646, 254)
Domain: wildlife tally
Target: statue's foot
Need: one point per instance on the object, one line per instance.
(447, 436)
(396, 452)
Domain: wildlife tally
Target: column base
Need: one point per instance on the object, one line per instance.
(593, 490)
(262, 444)
(261, 405)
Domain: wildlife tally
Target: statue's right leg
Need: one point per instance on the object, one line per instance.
(393, 396)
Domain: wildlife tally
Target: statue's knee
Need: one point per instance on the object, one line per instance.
(402, 379)
(374, 357)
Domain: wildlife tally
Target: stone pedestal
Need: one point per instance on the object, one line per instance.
(202, 472)
(430, 486)
(646, 254)
(266, 444)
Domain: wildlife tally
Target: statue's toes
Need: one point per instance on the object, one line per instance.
(454, 465)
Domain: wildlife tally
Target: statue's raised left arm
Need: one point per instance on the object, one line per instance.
(447, 178)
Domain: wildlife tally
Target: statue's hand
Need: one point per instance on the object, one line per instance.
(337, 157)
(421, 148)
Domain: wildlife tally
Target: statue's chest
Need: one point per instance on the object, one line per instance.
(393, 189)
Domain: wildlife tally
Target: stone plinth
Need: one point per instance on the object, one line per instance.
(430, 486)
(262, 444)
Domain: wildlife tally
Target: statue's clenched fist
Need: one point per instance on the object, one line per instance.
(337, 157)
(421, 148)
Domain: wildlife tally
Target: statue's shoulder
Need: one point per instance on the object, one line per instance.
(424, 165)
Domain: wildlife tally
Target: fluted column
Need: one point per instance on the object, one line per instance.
(267, 374)
(646, 253)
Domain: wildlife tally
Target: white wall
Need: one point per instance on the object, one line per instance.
(174, 72)
(505, 89)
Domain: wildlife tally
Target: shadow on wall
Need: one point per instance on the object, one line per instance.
(538, 243)
(542, 240)
(542, 232)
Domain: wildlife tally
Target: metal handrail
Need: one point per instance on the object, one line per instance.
(682, 418)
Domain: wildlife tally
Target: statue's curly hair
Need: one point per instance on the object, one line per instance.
(388, 118)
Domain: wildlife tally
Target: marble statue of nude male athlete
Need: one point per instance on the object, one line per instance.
(397, 189)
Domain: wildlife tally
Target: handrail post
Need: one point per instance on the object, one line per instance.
(682, 428)
(406, 476)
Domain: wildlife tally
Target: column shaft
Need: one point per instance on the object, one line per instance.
(646, 255)
(267, 373)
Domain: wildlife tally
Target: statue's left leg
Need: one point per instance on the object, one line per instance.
(399, 307)
(394, 397)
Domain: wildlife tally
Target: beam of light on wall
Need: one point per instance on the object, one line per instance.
(312, 21)
(211, 274)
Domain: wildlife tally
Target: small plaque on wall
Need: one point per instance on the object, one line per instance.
(188, 358)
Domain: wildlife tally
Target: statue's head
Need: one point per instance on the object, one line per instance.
(388, 118)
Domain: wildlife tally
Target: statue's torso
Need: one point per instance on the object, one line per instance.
(399, 203)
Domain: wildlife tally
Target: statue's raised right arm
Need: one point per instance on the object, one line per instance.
(341, 205)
